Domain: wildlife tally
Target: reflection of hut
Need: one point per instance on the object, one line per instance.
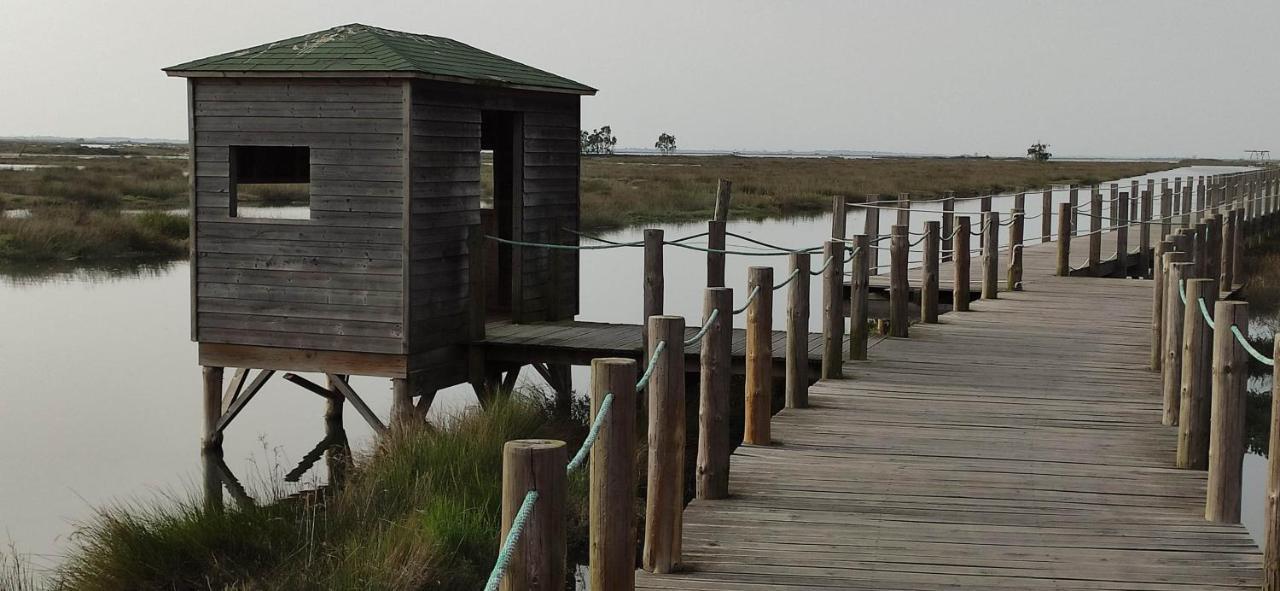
(382, 131)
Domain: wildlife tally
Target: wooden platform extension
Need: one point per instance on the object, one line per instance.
(577, 343)
(1017, 446)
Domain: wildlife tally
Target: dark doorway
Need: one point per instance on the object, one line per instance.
(500, 133)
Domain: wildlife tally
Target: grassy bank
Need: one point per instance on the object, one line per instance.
(421, 513)
(78, 233)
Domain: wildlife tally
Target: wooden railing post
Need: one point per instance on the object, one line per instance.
(797, 353)
(1122, 237)
(1135, 202)
(664, 501)
(1175, 272)
(759, 386)
(1020, 201)
(929, 278)
(1271, 544)
(962, 261)
(948, 224)
(1226, 425)
(1144, 237)
(1014, 276)
(1166, 209)
(1237, 247)
(839, 216)
(1197, 376)
(991, 255)
(1095, 233)
(715, 369)
(832, 314)
(904, 209)
(1227, 255)
(871, 228)
(1073, 198)
(1113, 201)
(858, 293)
(984, 207)
(1064, 240)
(1159, 291)
(1046, 216)
(653, 279)
(611, 503)
(899, 291)
(715, 260)
(539, 556)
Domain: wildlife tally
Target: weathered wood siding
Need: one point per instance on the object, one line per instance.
(445, 205)
(334, 282)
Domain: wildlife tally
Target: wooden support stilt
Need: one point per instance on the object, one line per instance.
(212, 381)
(339, 382)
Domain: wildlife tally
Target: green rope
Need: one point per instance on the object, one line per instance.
(607, 241)
(767, 245)
(823, 269)
(754, 291)
(711, 320)
(735, 252)
(564, 246)
(1182, 291)
(1235, 330)
(513, 536)
(794, 274)
(596, 425)
(653, 364)
(1204, 311)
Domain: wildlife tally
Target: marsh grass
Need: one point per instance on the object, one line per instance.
(622, 191)
(275, 194)
(65, 233)
(420, 512)
(99, 183)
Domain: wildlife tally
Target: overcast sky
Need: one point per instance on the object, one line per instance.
(1101, 78)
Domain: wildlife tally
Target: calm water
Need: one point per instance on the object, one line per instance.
(100, 400)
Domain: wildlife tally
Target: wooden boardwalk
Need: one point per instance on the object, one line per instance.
(1017, 446)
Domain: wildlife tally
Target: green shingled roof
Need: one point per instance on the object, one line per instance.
(361, 50)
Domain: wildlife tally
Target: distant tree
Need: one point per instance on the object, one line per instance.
(666, 144)
(598, 141)
(1039, 152)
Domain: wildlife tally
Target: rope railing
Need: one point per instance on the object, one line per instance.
(509, 544)
(706, 326)
(747, 304)
(643, 382)
(794, 274)
(596, 424)
(1248, 348)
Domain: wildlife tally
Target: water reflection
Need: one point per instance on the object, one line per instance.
(33, 274)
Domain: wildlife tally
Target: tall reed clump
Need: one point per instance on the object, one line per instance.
(86, 234)
(421, 513)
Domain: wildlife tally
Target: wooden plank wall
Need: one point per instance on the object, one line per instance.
(445, 202)
(333, 282)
